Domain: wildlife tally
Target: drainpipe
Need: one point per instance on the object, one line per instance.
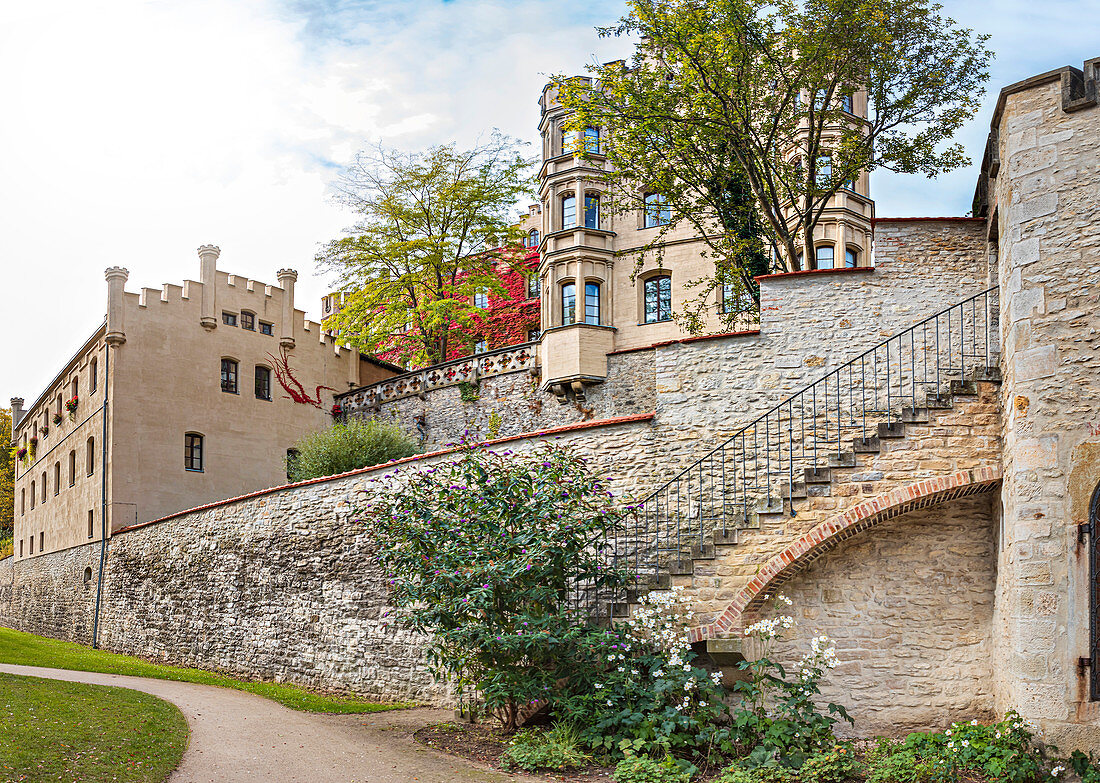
(103, 499)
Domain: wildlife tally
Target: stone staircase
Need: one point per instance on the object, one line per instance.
(947, 435)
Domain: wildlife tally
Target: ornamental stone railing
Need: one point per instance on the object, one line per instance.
(513, 358)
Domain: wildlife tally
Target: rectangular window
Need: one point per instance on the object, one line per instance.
(72, 468)
(266, 328)
(57, 478)
(32, 543)
(481, 346)
(20, 547)
(91, 524)
(657, 212)
(89, 458)
(263, 383)
(824, 171)
(592, 140)
(93, 375)
(229, 376)
(824, 255)
(592, 303)
(846, 103)
(735, 298)
(569, 212)
(658, 299)
(41, 541)
(568, 303)
(591, 211)
(229, 319)
(533, 287)
(481, 300)
(192, 452)
(248, 321)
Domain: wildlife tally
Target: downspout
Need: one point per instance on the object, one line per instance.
(103, 498)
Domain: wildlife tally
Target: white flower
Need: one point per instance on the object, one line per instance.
(1058, 770)
(966, 743)
(599, 686)
(974, 722)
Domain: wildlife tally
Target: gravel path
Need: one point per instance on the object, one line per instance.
(236, 736)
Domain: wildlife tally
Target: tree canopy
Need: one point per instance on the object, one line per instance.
(432, 227)
(739, 113)
(7, 478)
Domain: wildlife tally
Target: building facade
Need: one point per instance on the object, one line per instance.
(184, 395)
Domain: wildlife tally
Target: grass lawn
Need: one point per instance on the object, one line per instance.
(26, 649)
(53, 730)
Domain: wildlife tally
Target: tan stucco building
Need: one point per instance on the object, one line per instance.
(184, 395)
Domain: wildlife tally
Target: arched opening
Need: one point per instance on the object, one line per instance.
(87, 576)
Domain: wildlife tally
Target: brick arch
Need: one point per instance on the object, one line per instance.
(828, 535)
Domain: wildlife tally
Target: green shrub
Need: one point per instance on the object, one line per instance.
(835, 766)
(346, 446)
(643, 769)
(736, 774)
(558, 748)
(894, 764)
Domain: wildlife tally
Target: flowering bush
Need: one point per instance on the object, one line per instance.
(778, 718)
(482, 553)
(645, 693)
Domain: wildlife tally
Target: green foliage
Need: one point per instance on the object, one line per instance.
(25, 649)
(469, 391)
(778, 716)
(431, 225)
(482, 554)
(558, 748)
(51, 730)
(643, 769)
(643, 692)
(349, 445)
(890, 764)
(717, 99)
(735, 774)
(835, 766)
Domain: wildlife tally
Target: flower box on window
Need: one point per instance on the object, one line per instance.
(71, 407)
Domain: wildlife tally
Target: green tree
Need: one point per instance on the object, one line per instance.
(7, 480)
(736, 111)
(431, 226)
(482, 553)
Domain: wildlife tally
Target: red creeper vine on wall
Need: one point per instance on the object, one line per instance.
(294, 389)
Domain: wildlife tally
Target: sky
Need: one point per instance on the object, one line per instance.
(134, 131)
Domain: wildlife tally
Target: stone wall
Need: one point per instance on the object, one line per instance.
(910, 607)
(1044, 197)
(48, 594)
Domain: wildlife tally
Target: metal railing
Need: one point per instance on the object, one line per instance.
(763, 464)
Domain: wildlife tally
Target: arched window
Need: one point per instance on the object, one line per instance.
(824, 256)
(568, 303)
(658, 299)
(592, 303)
(851, 258)
(23, 501)
(568, 211)
(60, 405)
(192, 452)
(229, 376)
(43, 486)
(533, 238)
(592, 140)
(72, 467)
(657, 212)
(591, 210)
(89, 456)
(88, 570)
(263, 382)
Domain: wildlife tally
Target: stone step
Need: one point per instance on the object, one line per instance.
(772, 505)
(681, 567)
(986, 374)
(919, 415)
(939, 401)
(797, 492)
(728, 537)
(867, 445)
(964, 388)
(702, 552)
(891, 429)
(843, 459)
(620, 610)
(818, 476)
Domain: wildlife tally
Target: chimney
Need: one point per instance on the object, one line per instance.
(17, 414)
(286, 282)
(208, 276)
(116, 305)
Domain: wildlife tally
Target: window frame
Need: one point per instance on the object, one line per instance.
(89, 455)
(228, 318)
(570, 199)
(534, 335)
(568, 303)
(533, 238)
(592, 208)
(655, 218)
(591, 286)
(93, 375)
(57, 478)
(234, 376)
(658, 282)
(534, 287)
(256, 382)
(267, 328)
(817, 255)
(481, 300)
(190, 441)
(591, 140)
(72, 468)
(481, 346)
(854, 255)
(247, 321)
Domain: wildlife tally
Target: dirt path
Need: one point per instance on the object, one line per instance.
(236, 736)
